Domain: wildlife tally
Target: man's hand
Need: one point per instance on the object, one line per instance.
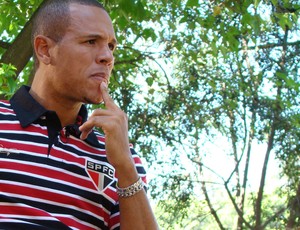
(136, 212)
(114, 123)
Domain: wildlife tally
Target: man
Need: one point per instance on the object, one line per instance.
(56, 171)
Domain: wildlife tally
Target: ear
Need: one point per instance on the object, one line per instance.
(42, 46)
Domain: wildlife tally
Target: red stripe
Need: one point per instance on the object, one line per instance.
(84, 147)
(20, 210)
(136, 159)
(4, 101)
(23, 146)
(18, 127)
(69, 157)
(114, 220)
(144, 179)
(6, 110)
(101, 138)
(111, 193)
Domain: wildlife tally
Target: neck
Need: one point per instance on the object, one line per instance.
(66, 110)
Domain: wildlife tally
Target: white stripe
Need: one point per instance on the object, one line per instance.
(86, 144)
(116, 225)
(15, 221)
(17, 122)
(108, 197)
(8, 113)
(29, 143)
(60, 150)
(29, 217)
(14, 122)
(74, 218)
(14, 204)
(72, 154)
(4, 102)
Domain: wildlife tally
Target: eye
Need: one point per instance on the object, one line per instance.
(111, 46)
(91, 41)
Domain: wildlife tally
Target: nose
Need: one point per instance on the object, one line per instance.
(105, 56)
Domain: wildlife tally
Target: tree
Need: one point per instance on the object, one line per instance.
(190, 74)
(234, 53)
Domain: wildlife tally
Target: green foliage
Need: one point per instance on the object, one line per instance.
(7, 82)
(14, 15)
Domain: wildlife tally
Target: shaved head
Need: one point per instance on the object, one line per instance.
(53, 19)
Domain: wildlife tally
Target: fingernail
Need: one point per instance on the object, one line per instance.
(104, 84)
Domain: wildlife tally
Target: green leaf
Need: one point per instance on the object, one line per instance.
(149, 81)
(149, 33)
(284, 21)
(151, 91)
(256, 3)
(191, 3)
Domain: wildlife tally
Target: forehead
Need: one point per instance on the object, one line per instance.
(86, 20)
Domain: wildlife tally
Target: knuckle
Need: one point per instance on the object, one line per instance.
(91, 121)
(96, 111)
(121, 116)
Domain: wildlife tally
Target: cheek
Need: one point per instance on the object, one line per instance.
(75, 57)
(75, 67)
(112, 65)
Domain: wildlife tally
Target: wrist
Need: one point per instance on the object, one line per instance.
(126, 174)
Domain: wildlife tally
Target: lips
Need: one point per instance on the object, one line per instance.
(100, 77)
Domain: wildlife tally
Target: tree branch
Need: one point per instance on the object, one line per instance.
(272, 45)
(240, 213)
(212, 210)
(273, 217)
(294, 210)
(203, 186)
(20, 51)
(275, 121)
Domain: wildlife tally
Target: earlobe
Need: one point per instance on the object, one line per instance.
(42, 46)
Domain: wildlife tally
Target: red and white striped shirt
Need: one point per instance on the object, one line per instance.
(49, 178)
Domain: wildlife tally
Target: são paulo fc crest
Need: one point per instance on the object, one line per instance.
(101, 174)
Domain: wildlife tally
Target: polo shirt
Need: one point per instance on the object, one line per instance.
(49, 177)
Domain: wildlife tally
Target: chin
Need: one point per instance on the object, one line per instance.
(93, 101)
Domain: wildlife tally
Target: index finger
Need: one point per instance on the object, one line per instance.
(108, 101)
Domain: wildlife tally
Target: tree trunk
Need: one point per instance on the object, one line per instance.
(294, 211)
(20, 51)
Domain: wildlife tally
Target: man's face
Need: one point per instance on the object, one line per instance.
(84, 56)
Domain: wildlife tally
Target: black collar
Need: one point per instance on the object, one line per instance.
(28, 110)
